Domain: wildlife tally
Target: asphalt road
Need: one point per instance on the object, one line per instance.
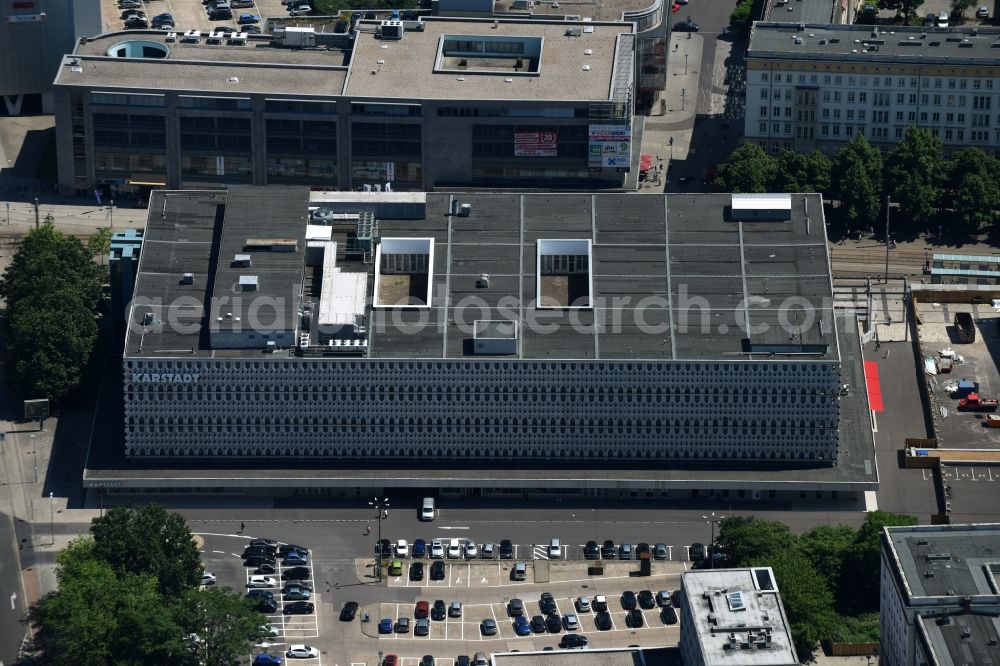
(12, 608)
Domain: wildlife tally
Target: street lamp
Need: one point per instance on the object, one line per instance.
(381, 506)
(712, 520)
(52, 516)
(685, 64)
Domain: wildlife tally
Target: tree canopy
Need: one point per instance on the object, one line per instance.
(856, 180)
(747, 169)
(112, 607)
(828, 577)
(51, 288)
(914, 174)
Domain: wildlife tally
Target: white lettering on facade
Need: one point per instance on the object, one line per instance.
(164, 378)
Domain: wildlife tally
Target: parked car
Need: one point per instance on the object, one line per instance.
(296, 573)
(220, 15)
(296, 592)
(506, 550)
(555, 549)
(135, 23)
(437, 549)
(265, 568)
(625, 551)
(208, 578)
(471, 551)
(419, 548)
(521, 626)
(668, 615)
(488, 627)
(662, 598)
(583, 604)
(295, 558)
(384, 547)
(301, 652)
(634, 618)
(165, 17)
(553, 623)
(130, 4)
(421, 609)
(660, 551)
(646, 599)
(286, 548)
(943, 19)
(983, 12)
(422, 627)
(439, 610)
(600, 603)
(538, 624)
(686, 26)
(547, 603)
(385, 626)
(396, 568)
(261, 581)
(455, 609)
(401, 549)
(454, 550)
(241, 4)
(267, 659)
(417, 571)
(573, 641)
(299, 608)
(608, 550)
(515, 607)
(301, 10)
(603, 621)
(437, 570)
(519, 571)
(403, 625)
(481, 659)
(591, 551)
(390, 660)
(427, 511)
(628, 600)
(488, 551)
(349, 611)
(571, 621)
(257, 595)
(640, 549)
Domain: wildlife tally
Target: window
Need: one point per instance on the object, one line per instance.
(763, 128)
(763, 111)
(937, 100)
(763, 93)
(899, 132)
(214, 103)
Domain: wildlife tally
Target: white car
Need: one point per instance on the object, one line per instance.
(402, 548)
(437, 549)
(983, 12)
(301, 652)
(943, 19)
(271, 630)
(454, 550)
(583, 604)
(427, 509)
(301, 10)
(208, 578)
(261, 581)
(470, 550)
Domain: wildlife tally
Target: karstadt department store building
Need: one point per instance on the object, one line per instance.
(411, 105)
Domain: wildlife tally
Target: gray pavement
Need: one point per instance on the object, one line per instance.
(12, 597)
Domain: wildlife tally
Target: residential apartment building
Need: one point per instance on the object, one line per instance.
(409, 105)
(812, 86)
(734, 616)
(939, 602)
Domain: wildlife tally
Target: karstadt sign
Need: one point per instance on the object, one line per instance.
(164, 378)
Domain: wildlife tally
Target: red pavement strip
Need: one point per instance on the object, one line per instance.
(874, 386)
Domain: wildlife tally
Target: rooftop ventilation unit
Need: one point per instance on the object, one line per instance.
(465, 210)
(171, 37)
(239, 39)
(241, 261)
(192, 36)
(187, 278)
(391, 30)
(215, 40)
(248, 283)
(574, 32)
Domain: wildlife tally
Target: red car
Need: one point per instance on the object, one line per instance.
(422, 610)
(390, 660)
(675, 8)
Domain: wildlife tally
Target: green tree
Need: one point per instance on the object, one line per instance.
(100, 243)
(862, 563)
(149, 540)
(802, 172)
(748, 538)
(807, 599)
(747, 169)
(914, 174)
(51, 288)
(226, 625)
(856, 180)
(959, 7)
(906, 7)
(740, 18)
(825, 546)
(99, 616)
(972, 188)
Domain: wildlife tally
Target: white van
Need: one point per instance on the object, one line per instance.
(555, 549)
(427, 509)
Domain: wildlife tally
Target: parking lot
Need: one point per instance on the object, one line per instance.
(228, 567)
(191, 14)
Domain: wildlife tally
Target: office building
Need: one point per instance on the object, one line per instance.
(733, 617)
(405, 105)
(939, 602)
(812, 86)
(34, 35)
(123, 260)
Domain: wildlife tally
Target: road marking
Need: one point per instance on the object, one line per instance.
(453, 528)
(219, 552)
(13, 603)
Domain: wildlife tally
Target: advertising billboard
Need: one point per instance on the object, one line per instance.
(610, 146)
(535, 144)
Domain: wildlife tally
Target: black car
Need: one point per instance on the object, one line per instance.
(348, 612)
(600, 603)
(553, 623)
(135, 23)
(417, 571)
(668, 615)
(265, 568)
(506, 550)
(428, 660)
(299, 608)
(290, 547)
(591, 551)
(686, 26)
(386, 547)
(643, 547)
(696, 552)
(438, 610)
(258, 560)
(251, 550)
(603, 621)
(675, 597)
(296, 573)
(515, 607)
(225, 30)
(547, 603)
(608, 550)
(538, 624)
(220, 15)
(646, 599)
(628, 600)
(252, 29)
(573, 641)
(634, 618)
(437, 570)
(266, 605)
